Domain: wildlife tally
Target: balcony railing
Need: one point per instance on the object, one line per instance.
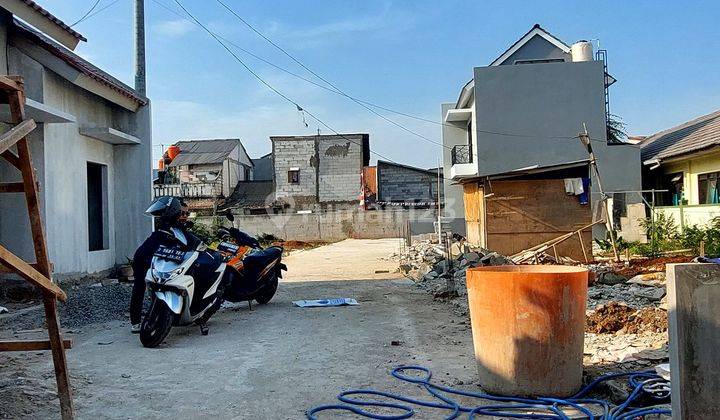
(188, 190)
(461, 154)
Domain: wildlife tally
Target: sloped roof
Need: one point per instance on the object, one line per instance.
(199, 152)
(77, 62)
(250, 195)
(693, 136)
(52, 18)
(535, 30)
(430, 172)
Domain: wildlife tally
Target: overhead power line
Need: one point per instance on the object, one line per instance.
(98, 11)
(86, 13)
(271, 87)
(336, 90)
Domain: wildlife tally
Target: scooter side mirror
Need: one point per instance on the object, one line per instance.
(229, 215)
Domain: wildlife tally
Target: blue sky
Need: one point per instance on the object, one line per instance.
(409, 56)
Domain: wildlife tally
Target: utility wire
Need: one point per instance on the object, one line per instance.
(336, 90)
(364, 103)
(86, 13)
(102, 9)
(272, 88)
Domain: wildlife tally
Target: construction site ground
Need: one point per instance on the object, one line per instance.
(277, 360)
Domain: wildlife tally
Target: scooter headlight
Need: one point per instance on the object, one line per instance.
(163, 276)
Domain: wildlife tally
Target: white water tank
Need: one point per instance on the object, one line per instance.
(582, 51)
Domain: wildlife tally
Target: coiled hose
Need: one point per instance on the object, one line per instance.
(645, 383)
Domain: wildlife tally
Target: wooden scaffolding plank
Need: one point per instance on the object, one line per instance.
(12, 187)
(12, 158)
(26, 271)
(15, 134)
(59, 360)
(9, 84)
(13, 85)
(30, 345)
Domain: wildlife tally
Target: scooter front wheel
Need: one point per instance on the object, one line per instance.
(156, 324)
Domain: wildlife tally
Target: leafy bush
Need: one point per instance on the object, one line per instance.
(208, 233)
(662, 235)
(692, 236)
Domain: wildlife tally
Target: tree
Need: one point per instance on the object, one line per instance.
(615, 129)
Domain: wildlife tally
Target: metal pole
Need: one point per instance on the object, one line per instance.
(140, 84)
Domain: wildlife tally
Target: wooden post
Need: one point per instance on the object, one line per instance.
(585, 139)
(582, 245)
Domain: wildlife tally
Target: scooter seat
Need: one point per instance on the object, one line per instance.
(262, 257)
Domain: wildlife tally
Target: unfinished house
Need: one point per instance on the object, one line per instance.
(319, 171)
(683, 163)
(91, 149)
(513, 153)
(407, 186)
(204, 172)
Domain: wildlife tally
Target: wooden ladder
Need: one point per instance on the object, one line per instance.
(12, 92)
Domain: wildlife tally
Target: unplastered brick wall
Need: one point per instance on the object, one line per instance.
(341, 163)
(403, 184)
(294, 153)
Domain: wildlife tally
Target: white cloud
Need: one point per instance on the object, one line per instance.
(173, 28)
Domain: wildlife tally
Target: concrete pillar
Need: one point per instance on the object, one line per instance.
(694, 316)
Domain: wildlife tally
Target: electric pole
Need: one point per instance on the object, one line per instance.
(140, 84)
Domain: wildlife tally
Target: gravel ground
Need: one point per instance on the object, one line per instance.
(85, 305)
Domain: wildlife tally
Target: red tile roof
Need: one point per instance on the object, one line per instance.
(52, 18)
(78, 63)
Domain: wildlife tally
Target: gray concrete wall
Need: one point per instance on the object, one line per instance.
(401, 184)
(340, 168)
(549, 102)
(295, 154)
(263, 170)
(694, 335)
(335, 225)
(60, 155)
(537, 48)
(453, 193)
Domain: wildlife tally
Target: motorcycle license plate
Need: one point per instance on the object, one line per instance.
(170, 254)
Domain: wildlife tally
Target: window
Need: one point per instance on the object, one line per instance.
(246, 173)
(97, 207)
(294, 176)
(540, 61)
(708, 188)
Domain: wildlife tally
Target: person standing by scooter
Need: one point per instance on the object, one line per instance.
(168, 212)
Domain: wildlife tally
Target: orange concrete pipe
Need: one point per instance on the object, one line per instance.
(528, 325)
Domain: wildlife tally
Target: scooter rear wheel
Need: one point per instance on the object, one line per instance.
(266, 293)
(156, 324)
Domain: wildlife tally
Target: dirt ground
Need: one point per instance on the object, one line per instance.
(272, 362)
(351, 259)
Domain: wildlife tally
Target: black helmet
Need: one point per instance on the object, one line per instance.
(167, 209)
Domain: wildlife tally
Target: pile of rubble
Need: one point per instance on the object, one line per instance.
(427, 264)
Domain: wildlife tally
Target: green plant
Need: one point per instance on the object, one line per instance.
(208, 233)
(621, 244)
(693, 236)
(662, 234)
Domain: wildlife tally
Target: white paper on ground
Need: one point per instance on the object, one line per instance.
(325, 302)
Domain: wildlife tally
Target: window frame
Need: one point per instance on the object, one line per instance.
(702, 189)
(293, 179)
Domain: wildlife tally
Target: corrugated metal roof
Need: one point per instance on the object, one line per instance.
(251, 195)
(199, 152)
(693, 136)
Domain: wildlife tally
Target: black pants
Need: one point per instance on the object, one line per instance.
(140, 265)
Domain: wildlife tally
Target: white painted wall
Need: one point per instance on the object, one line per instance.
(67, 153)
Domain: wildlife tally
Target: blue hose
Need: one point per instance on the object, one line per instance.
(642, 383)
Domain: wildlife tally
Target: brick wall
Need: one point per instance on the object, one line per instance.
(403, 184)
(335, 225)
(340, 168)
(330, 168)
(295, 153)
